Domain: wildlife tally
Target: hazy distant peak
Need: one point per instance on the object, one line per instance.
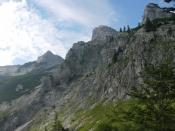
(48, 53)
(47, 57)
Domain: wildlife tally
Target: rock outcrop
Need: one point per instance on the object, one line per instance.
(103, 33)
(50, 59)
(153, 11)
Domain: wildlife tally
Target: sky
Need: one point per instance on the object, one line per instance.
(28, 28)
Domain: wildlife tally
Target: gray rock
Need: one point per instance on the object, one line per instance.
(103, 33)
(153, 11)
(50, 59)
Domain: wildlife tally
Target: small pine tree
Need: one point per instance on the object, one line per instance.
(139, 25)
(124, 29)
(57, 124)
(156, 97)
(120, 29)
(128, 29)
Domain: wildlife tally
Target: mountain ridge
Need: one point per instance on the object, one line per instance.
(46, 61)
(98, 72)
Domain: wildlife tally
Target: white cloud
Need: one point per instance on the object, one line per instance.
(86, 12)
(24, 35)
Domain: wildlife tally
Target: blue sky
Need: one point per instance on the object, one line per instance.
(129, 13)
(31, 27)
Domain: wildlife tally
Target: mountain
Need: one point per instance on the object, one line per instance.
(44, 62)
(8, 70)
(95, 75)
(21, 79)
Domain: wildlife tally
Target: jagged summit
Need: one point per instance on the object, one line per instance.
(154, 11)
(48, 53)
(101, 32)
(45, 56)
(48, 56)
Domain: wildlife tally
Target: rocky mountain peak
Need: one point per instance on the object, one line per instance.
(49, 57)
(102, 32)
(153, 11)
(45, 56)
(48, 53)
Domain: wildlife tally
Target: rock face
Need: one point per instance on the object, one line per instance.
(153, 11)
(85, 57)
(103, 33)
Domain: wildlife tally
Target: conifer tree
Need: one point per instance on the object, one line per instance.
(45, 129)
(124, 29)
(120, 29)
(156, 97)
(139, 25)
(128, 29)
(57, 124)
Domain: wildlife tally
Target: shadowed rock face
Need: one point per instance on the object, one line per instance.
(153, 11)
